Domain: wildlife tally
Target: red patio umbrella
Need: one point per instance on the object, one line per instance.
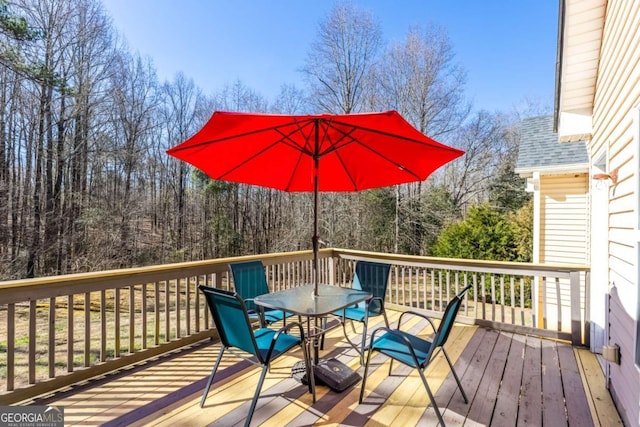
(313, 153)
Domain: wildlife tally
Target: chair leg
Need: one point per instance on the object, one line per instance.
(364, 375)
(453, 371)
(431, 398)
(346, 336)
(265, 368)
(213, 373)
(364, 342)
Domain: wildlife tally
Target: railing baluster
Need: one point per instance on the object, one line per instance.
(493, 297)
(440, 304)
(52, 338)
(167, 300)
(11, 345)
(103, 325)
(397, 284)
(513, 300)
(410, 279)
(425, 277)
(144, 315)
(70, 333)
(116, 314)
(466, 297)
(87, 329)
(502, 298)
(32, 341)
(475, 295)
(522, 296)
(187, 308)
(484, 297)
(132, 312)
(178, 308)
(433, 289)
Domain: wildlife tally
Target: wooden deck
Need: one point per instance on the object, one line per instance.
(510, 380)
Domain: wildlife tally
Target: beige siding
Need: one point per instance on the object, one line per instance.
(564, 219)
(615, 129)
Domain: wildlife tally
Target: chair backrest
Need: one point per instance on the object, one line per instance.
(449, 318)
(230, 316)
(249, 280)
(372, 277)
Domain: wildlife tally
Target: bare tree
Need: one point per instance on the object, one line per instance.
(182, 117)
(134, 103)
(290, 100)
(484, 141)
(420, 79)
(340, 61)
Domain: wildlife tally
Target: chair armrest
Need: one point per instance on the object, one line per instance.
(287, 327)
(282, 330)
(402, 338)
(413, 313)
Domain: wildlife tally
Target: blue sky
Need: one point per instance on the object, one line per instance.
(508, 47)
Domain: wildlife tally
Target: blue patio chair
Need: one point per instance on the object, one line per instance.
(372, 277)
(414, 351)
(231, 319)
(250, 282)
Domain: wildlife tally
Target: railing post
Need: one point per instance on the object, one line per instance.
(576, 321)
(587, 309)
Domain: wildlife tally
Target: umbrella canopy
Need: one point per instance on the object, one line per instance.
(314, 153)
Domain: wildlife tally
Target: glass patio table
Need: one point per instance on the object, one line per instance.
(301, 301)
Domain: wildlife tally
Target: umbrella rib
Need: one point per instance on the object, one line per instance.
(246, 161)
(389, 134)
(301, 125)
(287, 140)
(293, 172)
(355, 141)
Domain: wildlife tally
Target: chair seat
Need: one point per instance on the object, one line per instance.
(352, 313)
(355, 313)
(285, 342)
(394, 346)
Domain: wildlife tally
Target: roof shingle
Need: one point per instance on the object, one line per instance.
(539, 147)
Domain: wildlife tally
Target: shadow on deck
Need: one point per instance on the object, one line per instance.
(510, 380)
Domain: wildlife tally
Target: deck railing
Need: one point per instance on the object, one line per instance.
(58, 331)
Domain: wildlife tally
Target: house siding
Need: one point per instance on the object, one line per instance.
(563, 239)
(564, 221)
(616, 100)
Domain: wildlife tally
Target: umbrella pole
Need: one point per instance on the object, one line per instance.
(315, 243)
(315, 239)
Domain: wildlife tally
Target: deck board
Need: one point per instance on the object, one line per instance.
(510, 380)
(597, 394)
(553, 411)
(530, 412)
(481, 409)
(578, 411)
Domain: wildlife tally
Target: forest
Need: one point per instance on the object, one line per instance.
(86, 184)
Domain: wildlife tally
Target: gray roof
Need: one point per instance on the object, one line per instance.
(540, 149)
